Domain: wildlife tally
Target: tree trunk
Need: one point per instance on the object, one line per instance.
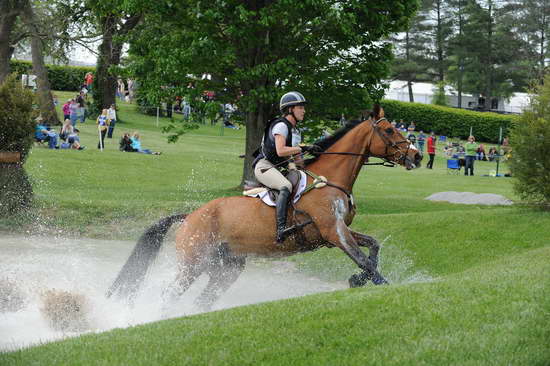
(255, 126)
(110, 50)
(7, 22)
(44, 93)
(105, 83)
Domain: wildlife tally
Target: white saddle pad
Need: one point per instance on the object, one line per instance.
(266, 198)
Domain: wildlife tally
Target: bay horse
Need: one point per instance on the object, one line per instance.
(217, 237)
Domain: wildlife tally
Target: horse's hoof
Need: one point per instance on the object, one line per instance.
(358, 280)
(374, 260)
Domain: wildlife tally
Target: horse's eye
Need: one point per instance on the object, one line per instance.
(389, 130)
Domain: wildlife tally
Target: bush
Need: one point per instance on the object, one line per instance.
(448, 121)
(67, 78)
(16, 135)
(530, 143)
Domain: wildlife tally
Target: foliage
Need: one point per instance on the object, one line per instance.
(16, 135)
(439, 97)
(252, 52)
(16, 122)
(530, 163)
(450, 121)
(68, 78)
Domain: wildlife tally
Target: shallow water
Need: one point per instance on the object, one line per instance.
(85, 266)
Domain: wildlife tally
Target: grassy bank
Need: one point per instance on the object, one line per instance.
(470, 282)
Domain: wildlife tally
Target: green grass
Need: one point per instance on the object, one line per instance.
(470, 282)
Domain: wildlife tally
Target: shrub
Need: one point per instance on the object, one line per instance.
(530, 155)
(450, 121)
(16, 135)
(67, 78)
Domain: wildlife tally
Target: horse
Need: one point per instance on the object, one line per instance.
(217, 237)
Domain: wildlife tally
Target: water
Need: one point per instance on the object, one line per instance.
(87, 267)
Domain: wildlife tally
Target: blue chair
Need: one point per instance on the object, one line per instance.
(453, 166)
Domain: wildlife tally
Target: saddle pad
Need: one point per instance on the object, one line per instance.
(264, 196)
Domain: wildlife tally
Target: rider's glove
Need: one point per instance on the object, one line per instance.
(312, 149)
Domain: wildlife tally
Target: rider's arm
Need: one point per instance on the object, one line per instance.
(282, 149)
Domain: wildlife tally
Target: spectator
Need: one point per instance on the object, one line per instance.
(481, 155)
(120, 89)
(67, 110)
(88, 81)
(136, 145)
(402, 126)
(492, 154)
(40, 131)
(102, 125)
(411, 127)
(394, 124)
(74, 140)
(125, 143)
(66, 129)
(131, 89)
(51, 137)
(470, 149)
(73, 107)
(111, 115)
(81, 108)
(411, 137)
(431, 150)
(421, 141)
(448, 149)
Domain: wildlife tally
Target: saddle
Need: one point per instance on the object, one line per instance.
(253, 187)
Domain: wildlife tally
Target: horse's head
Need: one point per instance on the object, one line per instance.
(388, 143)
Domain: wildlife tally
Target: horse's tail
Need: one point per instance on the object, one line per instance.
(130, 277)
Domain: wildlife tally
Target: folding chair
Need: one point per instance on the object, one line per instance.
(453, 166)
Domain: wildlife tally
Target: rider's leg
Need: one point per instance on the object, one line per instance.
(282, 209)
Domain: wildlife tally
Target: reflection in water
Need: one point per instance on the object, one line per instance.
(37, 265)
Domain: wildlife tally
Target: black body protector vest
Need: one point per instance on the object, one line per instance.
(268, 148)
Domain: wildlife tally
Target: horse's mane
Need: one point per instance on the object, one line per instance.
(325, 142)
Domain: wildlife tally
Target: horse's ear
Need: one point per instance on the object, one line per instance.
(382, 114)
(376, 111)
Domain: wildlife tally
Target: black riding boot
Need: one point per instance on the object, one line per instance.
(282, 205)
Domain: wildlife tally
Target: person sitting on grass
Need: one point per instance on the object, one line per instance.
(74, 140)
(125, 143)
(136, 145)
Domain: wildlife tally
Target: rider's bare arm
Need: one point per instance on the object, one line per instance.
(282, 149)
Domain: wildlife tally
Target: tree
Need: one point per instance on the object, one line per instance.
(114, 24)
(411, 62)
(18, 128)
(439, 26)
(530, 160)
(9, 11)
(255, 50)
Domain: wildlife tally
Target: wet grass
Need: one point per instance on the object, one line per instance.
(470, 283)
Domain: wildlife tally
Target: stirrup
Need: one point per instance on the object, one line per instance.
(291, 230)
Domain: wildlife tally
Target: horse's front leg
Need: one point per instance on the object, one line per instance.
(340, 236)
(364, 240)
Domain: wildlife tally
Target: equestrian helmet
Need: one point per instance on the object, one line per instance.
(291, 99)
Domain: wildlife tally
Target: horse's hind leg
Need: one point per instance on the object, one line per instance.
(188, 272)
(364, 240)
(224, 271)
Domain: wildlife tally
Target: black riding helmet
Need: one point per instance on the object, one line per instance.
(291, 99)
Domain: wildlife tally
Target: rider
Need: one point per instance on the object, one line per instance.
(280, 144)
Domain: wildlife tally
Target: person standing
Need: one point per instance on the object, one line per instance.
(111, 115)
(81, 108)
(67, 110)
(73, 112)
(470, 149)
(102, 125)
(89, 80)
(431, 150)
